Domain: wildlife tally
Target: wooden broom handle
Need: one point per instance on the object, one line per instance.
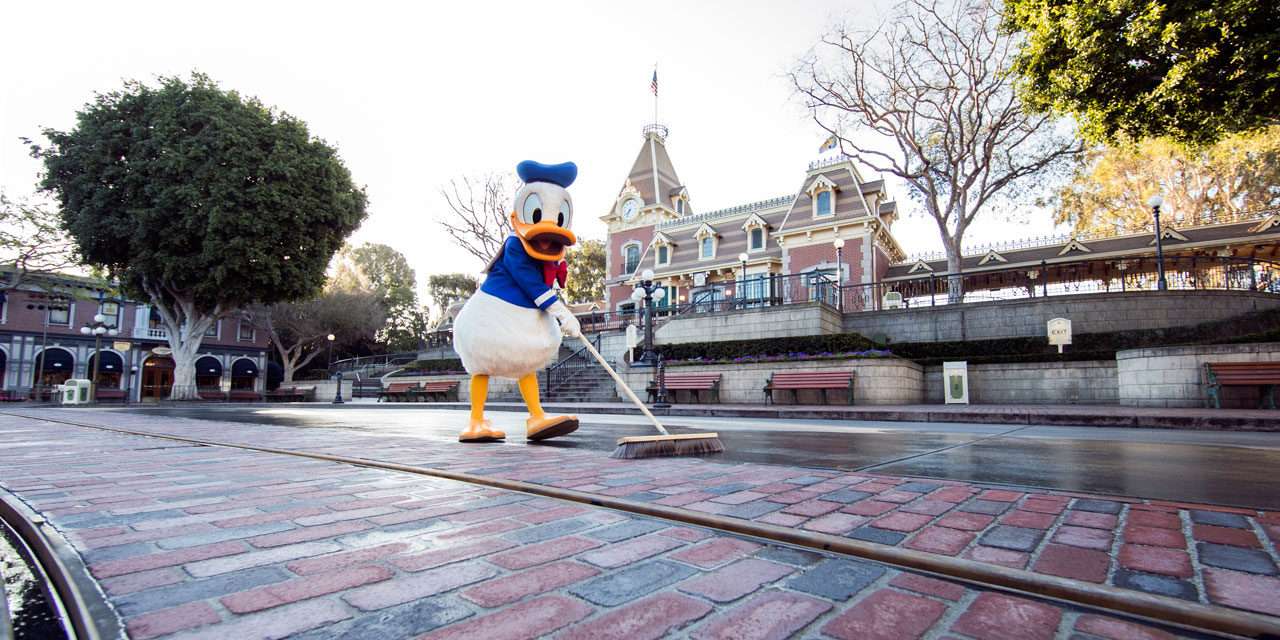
(626, 389)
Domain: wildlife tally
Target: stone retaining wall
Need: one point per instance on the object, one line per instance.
(1092, 313)
(809, 319)
(876, 380)
(1084, 382)
(500, 389)
(1173, 377)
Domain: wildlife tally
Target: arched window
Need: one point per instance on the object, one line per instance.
(56, 369)
(208, 373)
(110, 369)
(244, 373)
(630, 258)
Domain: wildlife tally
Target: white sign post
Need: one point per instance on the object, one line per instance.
(1060, 332)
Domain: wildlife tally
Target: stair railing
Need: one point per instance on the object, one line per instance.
(561, 371)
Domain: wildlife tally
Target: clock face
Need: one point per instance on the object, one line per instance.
(629, 208)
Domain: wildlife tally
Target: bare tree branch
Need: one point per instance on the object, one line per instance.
(479, 217)
(32, 244)
(933, 80)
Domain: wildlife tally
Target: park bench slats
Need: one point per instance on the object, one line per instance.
(244, 395)
(101, 394)
(443, 390)
(212, 393)
(796, 381)
(695, 383)
(1241, 374)
(399, 392)
(293, 394)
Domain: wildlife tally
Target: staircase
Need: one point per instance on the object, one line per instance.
(585, 382)
(577, 377)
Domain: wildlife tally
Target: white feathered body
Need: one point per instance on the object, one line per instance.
(497, 338)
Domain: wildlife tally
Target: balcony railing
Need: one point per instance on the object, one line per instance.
(151, 333)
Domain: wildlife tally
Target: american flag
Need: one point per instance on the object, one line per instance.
(653, 84)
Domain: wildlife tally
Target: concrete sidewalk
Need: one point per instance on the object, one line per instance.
(1034, 414)
(214, 542)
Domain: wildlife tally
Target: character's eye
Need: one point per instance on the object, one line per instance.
(533, 208)
(563, 218)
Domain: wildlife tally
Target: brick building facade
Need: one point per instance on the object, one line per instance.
(729, 253)
(48, 320)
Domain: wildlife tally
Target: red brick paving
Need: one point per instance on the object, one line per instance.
(172, 620)
(1224, 535)
(999, 617)
(450, 547)
(1152, 536)
(1113, 629)
(1169, 562)
(886, 615)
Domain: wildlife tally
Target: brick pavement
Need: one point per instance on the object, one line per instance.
(209, 542)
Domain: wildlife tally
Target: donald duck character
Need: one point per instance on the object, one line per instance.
(511, 327)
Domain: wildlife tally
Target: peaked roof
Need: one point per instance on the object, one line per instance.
(654, 153)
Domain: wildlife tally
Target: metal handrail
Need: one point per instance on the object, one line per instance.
(558, 372)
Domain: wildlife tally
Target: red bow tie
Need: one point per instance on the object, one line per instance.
(553, 272)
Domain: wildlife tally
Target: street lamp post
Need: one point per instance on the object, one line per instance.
(337, 376)
(97, 328)
(55, 303)
(1154, 202)
(742, 279)
(647, 292)
(838, 243)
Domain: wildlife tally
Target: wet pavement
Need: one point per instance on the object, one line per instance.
(192, 541)
(1211, 467)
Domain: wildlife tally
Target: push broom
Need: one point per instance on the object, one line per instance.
(684, 444)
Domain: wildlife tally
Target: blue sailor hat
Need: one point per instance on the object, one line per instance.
(562, 174)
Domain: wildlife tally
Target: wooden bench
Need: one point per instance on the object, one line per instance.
(796, 381)
(292, 394)
(694, 383)
(211, 393)
(11, 396)
(244, 395)
(399, 392)
(1241, 374)
(113, 395)
(441, 391)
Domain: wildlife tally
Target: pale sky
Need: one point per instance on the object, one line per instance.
(413, 94)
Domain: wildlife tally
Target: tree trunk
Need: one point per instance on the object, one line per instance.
(955, 279)
(184, 369)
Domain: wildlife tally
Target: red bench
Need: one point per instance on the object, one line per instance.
(399, 392)
(212, 393)
(292, 394)
(101, 394)
(11, 396)
(244, 395)
(444, 390)
(1241, 374)
(797, 381)
(694, 383)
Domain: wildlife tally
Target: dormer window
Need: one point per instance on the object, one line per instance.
(823, 193)
(680, 200)
(707, 240)
(757, 231)
(662, 248)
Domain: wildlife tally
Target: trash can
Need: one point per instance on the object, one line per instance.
(75, 391)
(955, 382)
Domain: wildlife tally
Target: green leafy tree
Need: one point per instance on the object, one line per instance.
(299, 330)
(388, 273)
(1190, 70)
(1111, 185)
(586, 272)
(446, 289)
(200, 200)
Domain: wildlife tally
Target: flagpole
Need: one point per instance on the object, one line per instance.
(655, 93)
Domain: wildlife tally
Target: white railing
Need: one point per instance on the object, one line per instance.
(148, 332)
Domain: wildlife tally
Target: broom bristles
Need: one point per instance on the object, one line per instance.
(672, 446)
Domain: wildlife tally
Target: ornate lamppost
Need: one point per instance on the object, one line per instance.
(648, 292)
(1154, 202)
(97, 328)
(838, 243)
(337, 375)
(742, 279)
